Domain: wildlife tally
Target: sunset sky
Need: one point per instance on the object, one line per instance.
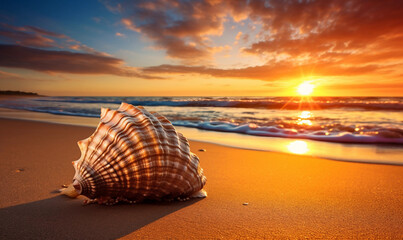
(202, 48)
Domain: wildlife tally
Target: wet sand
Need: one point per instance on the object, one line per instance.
(287, 196)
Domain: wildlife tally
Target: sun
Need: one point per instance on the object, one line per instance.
(305, 88)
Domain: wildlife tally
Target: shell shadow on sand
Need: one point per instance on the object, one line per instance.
(46, 160)
(63, 218)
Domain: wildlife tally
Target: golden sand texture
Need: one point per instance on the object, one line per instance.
(252, 194)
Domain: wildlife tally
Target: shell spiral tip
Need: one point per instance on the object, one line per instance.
(200, 194)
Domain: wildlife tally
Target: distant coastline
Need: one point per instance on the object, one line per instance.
(19, 93)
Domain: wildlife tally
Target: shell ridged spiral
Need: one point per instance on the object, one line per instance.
(136, 155)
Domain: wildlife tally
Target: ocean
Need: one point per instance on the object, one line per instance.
(365, 129)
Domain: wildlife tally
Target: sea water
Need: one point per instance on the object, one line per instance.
(364, 129)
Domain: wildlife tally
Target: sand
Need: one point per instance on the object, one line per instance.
(287, 196)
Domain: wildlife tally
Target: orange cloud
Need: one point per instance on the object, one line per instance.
(333, 38)
(366, 86)
(130, 25)
(270, 72)
(238, 36)
(333, 32)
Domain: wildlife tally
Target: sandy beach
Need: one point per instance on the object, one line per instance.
(287, 196)
(294, 109)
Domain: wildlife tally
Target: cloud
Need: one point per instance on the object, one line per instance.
(24, 36)
(245, 38)
(174, 25)
(32, 52)
(291, 38)
(9, 76)
(238, 36)
(120, 34)
(130, 25)
(332, 38)
(317, 28)
(45, 32)
(31, 36)
(269, 72)
(64, 62)
(369, 85)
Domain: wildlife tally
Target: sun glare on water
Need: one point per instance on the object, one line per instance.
(305, 88)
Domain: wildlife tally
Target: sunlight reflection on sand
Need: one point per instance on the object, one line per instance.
(298, 147)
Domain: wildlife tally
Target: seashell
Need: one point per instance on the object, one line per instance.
(135, 155)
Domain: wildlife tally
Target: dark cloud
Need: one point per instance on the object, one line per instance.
(32, 52)
(31, 36)
(64, 62)
(23, 36)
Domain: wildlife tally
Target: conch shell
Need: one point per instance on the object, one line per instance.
(135, 155)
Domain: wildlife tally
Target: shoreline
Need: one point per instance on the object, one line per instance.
(390, 154)
(288, 196)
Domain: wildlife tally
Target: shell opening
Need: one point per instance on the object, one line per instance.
(77, 186)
